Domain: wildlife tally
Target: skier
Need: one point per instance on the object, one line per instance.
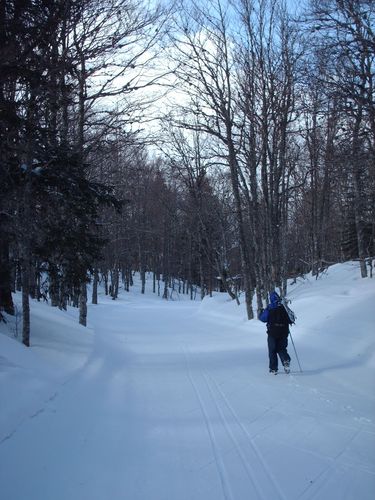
(278, 322)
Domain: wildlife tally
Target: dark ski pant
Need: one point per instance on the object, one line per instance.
(277, 346)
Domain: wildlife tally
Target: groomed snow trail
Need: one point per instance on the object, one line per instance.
(172, 405)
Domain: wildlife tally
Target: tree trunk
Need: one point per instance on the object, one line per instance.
(165, 292)
(143, 280)
(201, 277)
(94, 299)
(105, 277)
(83, 305)
(245, 260)
(63, 296)
(114, 283)
(6, 301)
(25, 304)
(358, 196)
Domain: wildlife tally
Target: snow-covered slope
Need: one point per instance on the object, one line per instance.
(172, 400)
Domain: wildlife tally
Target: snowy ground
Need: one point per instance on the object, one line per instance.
(173, 401)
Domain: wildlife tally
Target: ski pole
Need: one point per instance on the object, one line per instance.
(294, 347)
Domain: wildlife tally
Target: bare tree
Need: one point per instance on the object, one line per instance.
(343, 30)
(205, 70)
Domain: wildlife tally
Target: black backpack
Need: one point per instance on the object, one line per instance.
(278, 322)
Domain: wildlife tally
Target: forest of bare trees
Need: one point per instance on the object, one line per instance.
(221, 145)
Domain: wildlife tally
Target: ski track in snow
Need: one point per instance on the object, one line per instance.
(256, 477)
(187, 411)
(259, 457)
(227, 493)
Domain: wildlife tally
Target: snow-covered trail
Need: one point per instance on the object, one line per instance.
(172, 405)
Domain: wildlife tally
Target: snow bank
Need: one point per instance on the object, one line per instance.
(29, 376)
(220, 307)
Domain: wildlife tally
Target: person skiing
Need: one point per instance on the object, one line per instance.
(278, 322)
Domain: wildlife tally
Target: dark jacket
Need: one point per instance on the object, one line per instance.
(276, 317)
